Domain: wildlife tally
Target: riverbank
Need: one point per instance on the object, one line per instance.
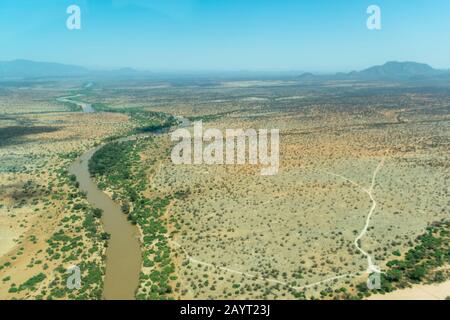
(49, 224)
(123, 255)
(85, 107)
(124, 252)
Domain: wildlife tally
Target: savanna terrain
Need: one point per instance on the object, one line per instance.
(364, 173)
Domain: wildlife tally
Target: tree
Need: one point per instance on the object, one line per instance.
(97, 213)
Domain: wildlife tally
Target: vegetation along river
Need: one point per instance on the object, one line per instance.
(123, 255)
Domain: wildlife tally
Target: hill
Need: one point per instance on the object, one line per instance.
(32, 69)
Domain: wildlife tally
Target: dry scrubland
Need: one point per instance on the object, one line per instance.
(242, 235)
(231, 233)
(235, 234)
(44, 220)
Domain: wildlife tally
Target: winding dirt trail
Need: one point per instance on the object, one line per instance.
(123, 255)
(371, 267)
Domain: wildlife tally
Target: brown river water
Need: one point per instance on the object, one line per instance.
(123, 255)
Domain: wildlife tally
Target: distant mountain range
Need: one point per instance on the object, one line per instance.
(390, 71)
(32, 69)
(398, 70)
(20, 69)
(393, 70)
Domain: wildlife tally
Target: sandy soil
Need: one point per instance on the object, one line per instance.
(29, 215)
(420, 292)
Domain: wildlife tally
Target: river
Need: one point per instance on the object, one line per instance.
(86, 107)
(123, 255)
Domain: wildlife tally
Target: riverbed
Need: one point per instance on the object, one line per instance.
(123, 255)
(86, 107)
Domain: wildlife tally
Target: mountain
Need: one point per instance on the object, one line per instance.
(23, 69)
(397, 71)
(33, 69)
(307, 76)
(390, 71)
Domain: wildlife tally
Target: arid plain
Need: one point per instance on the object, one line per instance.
(353, 156)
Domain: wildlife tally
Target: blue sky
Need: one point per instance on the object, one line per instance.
(315, 35)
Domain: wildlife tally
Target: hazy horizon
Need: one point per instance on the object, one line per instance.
(215, 71)
(324, 36)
